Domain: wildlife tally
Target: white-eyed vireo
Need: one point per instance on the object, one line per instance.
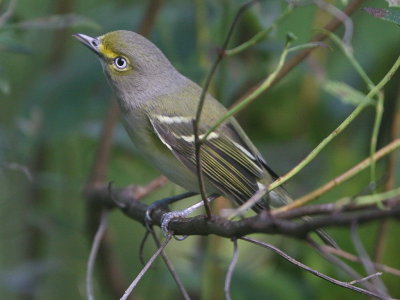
(159, 105)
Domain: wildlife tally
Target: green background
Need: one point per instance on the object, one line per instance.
(54, 98)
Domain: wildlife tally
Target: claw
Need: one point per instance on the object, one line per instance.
(148, 213)
(163, 203)
(167, 218)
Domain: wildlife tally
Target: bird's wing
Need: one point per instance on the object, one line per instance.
(227, 160)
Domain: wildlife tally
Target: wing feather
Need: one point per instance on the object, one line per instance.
(227, 162)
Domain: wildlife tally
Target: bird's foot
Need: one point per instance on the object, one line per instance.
(163, 203)
(168, 217)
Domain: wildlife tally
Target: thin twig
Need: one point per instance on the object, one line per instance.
(331, 26)
(199, 110)
(254, 94)
(381, 234)
(145, 268)
(231, 269)
(142, 244)
(374, 91)
(260, 35)
(338, 14)
(340, 264)
(93, 254)
(353, 258)
(171, 268)
(378, 104)
(308, 269)
(341, 178)
(366, 278)
(231, 213)
(366, 262)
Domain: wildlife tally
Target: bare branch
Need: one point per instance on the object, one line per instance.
(330, 216)
(366, 261)
(231, 268)
(308, 269)
(171, 268)
(145, 268)
(341, 178)
(93, 254)
(351, 257)
(339, 15)
(366, 278)
(331, 26)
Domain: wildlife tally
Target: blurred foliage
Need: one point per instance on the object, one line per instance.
(54, 97)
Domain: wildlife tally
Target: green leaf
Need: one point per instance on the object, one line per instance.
(391, 14)
(56, 22)
(345, 93)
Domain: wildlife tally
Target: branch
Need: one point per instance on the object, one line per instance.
(341, 178)
(330, 216)
(312, 271)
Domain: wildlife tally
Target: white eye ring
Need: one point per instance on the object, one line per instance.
(120, 62)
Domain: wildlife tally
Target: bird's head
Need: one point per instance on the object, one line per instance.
(127, 57)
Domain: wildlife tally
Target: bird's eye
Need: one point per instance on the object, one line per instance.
(120, 62)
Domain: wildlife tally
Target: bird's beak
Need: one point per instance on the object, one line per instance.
(91, 43)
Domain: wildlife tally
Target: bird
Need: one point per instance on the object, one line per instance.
(159, 105)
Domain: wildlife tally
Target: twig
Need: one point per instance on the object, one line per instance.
(142, 244)
(231, 269)
(375, 90)
(374, 198)
(308, 269)
(339, 15)
(390, 182)
(351, 257)
(331, 26)
(378, 104)
(21, 168)
(199, 110)
(145, 268)
(171, 268)
(254, 94)
(93, 253)
(366, 262)
(336, 261)
(260, 35)
(366, 278)
(231, 213)
(341, 178)
(342, 216)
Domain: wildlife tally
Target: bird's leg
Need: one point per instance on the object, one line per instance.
(164, 204)
(167, 217)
